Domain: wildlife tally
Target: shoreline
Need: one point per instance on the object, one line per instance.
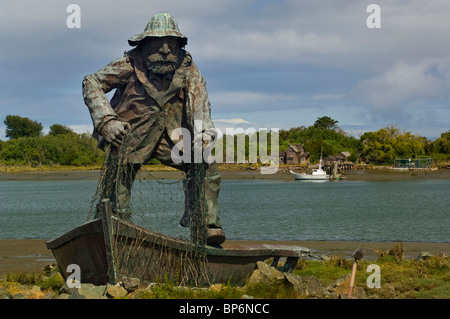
(374, 174)
(32, 255)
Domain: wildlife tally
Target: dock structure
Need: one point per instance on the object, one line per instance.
(337, 168)
(420, 163)
(337, 165)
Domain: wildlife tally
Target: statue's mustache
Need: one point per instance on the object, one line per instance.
(160, 64)
(158, 58)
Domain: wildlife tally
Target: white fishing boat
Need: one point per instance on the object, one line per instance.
(317, 174)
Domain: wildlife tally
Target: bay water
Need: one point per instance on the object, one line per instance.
(414, 210)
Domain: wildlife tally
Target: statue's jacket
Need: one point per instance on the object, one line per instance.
(149, 112)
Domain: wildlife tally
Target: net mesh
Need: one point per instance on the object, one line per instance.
(147, 240)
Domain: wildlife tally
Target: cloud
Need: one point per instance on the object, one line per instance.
(406, 85)
(248, 102)
(80, 129)
(232, 121)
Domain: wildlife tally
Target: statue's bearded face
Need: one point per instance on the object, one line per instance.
(161, 54)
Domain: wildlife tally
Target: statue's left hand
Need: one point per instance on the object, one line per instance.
(205, 138)
(114, 132)
(201, 139)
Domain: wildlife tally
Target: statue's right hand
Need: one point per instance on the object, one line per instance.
(114, 132)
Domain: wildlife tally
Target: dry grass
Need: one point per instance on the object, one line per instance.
(397, 252)
(45, 168)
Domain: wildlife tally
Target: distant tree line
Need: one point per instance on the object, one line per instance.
(380, 147)
(27, 145)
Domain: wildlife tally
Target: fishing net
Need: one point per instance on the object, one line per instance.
(146, 238)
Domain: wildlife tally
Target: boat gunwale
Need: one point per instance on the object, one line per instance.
(95, 227)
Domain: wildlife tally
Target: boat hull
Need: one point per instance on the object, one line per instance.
(305, 177)
(109, 250)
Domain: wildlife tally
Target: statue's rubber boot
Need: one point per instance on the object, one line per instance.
(215, 236)
(185, 220)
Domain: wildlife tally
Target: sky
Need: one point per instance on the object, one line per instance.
(267, 64)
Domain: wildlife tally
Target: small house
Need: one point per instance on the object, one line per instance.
(342, 156)
(295, 154)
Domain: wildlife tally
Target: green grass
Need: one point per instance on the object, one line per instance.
(325, 271)
(400, 278)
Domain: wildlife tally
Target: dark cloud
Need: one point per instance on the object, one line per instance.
(301, 57)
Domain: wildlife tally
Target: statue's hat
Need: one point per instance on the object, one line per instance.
(161, 25)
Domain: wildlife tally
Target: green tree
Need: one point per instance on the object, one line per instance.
(325, 122)
(17, 126)
(442, 144)
(57, 129)
(384, 145)
(439, 149)
(63, 149)
(378, 147)
(408, 145)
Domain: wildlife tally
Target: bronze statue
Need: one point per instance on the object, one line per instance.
(158, 89)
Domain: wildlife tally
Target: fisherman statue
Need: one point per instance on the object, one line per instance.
(158, 89)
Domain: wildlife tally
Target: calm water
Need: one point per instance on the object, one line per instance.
(346, 210)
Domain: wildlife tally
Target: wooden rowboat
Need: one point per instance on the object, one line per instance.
(107, 249)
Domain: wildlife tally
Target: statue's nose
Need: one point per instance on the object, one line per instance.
(164, 48)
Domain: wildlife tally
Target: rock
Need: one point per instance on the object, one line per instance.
(295, 282)
(76, 296)
(140, 293)
(340, 285)
(264, 274)
(423, 255)
(36, 290)
(90, 291)
(308, 286)
(66, 290)
(339, 289)
(30, 293)
(86, 291)
(49, 295)
(64, 296)
(116, 292)
(18, 296)
(357, 293)
(313, 288)
(131, 284)
(4, 294)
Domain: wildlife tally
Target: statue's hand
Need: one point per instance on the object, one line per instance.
(201, 139)
(205, 138)
(114, 132)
